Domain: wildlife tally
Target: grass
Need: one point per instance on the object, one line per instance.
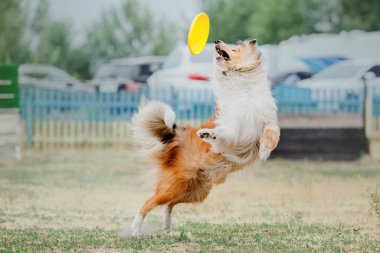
(375, 202)
(84, 201)
(197, 237)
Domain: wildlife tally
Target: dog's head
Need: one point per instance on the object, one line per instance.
(243, 57)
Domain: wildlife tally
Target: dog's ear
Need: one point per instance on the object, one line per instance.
(253, 42)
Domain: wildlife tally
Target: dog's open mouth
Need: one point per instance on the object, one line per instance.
(222, 55)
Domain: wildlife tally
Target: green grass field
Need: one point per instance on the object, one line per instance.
(84, 201)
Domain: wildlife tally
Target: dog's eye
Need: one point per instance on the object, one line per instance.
(234, 50)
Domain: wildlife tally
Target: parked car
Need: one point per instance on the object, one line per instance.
(341, 87)
(47, 76)
(126, 74)
(348, 74)
(290, 78)
(181, 69)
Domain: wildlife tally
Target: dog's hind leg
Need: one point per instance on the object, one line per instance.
(168, 216)
(139, 218)
(269, 141)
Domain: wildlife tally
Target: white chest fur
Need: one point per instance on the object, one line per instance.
(245, 106)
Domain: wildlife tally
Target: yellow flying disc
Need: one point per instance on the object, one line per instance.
(198, 33)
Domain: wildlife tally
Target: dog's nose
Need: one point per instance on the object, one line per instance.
(218, 41)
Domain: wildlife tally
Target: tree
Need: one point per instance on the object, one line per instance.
(229, 19)
(164, 39)
(31, 36)
(12, 28)
(78, 64)
(127, 33)
(278, 20)
(272, 20)
(359, 14)
(54, 46)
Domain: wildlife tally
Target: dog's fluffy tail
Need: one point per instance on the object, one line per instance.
(154, 125)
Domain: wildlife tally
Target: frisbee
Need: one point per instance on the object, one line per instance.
(198, 33)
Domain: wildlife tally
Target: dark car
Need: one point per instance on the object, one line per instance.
(126, 74)
(291, 78)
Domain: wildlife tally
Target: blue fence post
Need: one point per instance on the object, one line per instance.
(29, 111)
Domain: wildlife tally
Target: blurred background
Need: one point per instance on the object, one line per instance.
(92, 63)
(74, 72)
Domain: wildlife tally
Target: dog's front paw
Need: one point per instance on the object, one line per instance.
(206, 134)
(209, 136)
(264, 152)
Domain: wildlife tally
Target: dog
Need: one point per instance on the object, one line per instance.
(192, 160)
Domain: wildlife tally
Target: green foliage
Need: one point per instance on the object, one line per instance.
(128, 32)
(54, 44)
(119, 34)
(78, 64)
(12, 28)
(272, 21)
(29, 35)
(278, 20)
(359, 14)
(33, 37)
(229, 19)
(164, 40)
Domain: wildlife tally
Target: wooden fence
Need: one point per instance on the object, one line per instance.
(55, 118)
(373, 112)
(372, 117)
(66, 134)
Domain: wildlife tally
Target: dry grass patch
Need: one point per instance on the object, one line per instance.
(79, 191)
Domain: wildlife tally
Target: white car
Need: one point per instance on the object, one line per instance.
(47, 76)
(341, 87)
(181, 69)
(345, 75)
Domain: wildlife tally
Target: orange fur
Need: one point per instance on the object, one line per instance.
(188, 170)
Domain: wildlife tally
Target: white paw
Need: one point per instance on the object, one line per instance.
(209, 136)
(206, 134)
(264, 153)
(136, 225)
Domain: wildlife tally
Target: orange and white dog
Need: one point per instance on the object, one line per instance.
(191, 160)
